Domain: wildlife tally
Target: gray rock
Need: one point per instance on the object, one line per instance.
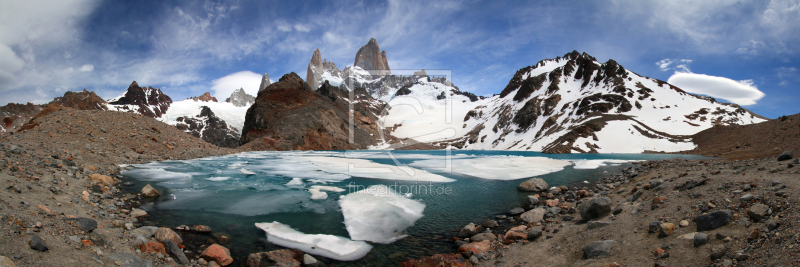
(474, 260)
(635, 195)
(87, 224)
(772, 225)
(534, 233)
(74, 239)
(786, 155)
(483, 236)
(597, 249)
(175, 251)
(746, 198)
(617, 210)
(516, 211)
(534, 215)
(531, 202)
(700, 239)
(713, 220)
(596, 224)
(488, 223)
(758, 212)
(595, 208)
(129, 260)
(38, 243)
(533, 185)
(718, 251)
(656, 183)
(467, 231)
(146, 231)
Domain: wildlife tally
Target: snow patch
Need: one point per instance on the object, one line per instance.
(378, 214)
(329, 246)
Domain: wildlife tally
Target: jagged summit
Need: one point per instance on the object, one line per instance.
(315, 70)
(264, 82)
(206, 97)
(240, 98)
(148, 101)
(370, 57)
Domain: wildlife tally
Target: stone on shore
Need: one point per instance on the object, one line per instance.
(718, 251)
(467, 231)
(149, 191)
(283, 257)
(533, 185)
(489, 223)
(104, 179)
(163, 233)
(38, 243)
(700, 239)
(713, 220)
(483, 236)
(136, 213)
(534, 215)
(531, 201)
(473, 248)
(786, 155)
(175, 251)
(595, 208)
(129, 260)
(534, 233)
(597, 249)
(216, 253)
(6, 262)
(665, 229)
(758, 212)
(596, 224)
(86, 224)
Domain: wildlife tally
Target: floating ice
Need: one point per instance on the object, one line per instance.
(369, 169)
(495, 167)
(587, 164)
(327, 188)
(155, 174)
(317, 194)
(245, 171)
(329, 246)
(295, 181)
(378, 214)
(218, 179)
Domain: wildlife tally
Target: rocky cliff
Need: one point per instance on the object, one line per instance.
(264, 82)
(315, 70)
(149, 101)
(15, 115)
(206, 97)
(85, 100)
(210, 128)
(289, 115)
(240, 98)
(370, 57)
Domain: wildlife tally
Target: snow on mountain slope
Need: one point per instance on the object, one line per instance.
(147, 101)
(232, 115)
(563, 105)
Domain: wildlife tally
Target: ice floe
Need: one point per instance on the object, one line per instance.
(295, 181)
(494, 167)
(317, 194)
(379, 214)
(328, 188)
(329, 246)
(218, 179)
(587, 164)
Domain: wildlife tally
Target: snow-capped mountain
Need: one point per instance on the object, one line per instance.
(207, 126)
(240, 98)
(563, 105)
(148, 101)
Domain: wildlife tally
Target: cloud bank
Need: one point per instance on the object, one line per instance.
(740, 92)
(224, 87)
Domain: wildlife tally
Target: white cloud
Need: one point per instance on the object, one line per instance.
(663, 64)
(301, 28)
(682, 66)
(87, 68)
(743, 92)
(224, 87)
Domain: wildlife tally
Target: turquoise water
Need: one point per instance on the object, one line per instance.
(233, 192)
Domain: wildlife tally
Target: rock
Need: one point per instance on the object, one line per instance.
(718, 251)
(661, 253)
(758, 212)
(746, 198)
(753, 235)
(635, 196)
(533, 185)
(215, 252)
(129, 260)
(665, 229)
(38, 243)
(6, 262)
(483, 236)
(149, 191)
(713, 220)
(146, 231)
(653, 227)
(163, 233)
(772, 225)
(489, 223)
(136, 213)
(86, 224)
(474, 260)
(551, 202)
(786, 155)
(154, 247)
(200, 228)
(534, 233)
(450, 260)
(467, 231)
(474, 248)
(595, 208)
(531, 201)
(370, 57)
(597, 249)
(104, 179)
(596, 224)
(309, 260)
(283, 257)
(175, 251)
(617, 210)
(516, 211)
(700, 239)
(534, 215)
(512, 236)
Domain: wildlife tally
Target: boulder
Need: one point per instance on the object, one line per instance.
(467, 231)
(136, 213)
(104, 179)
(516, 211)
(149, 191)
(512, 236)
(700, 239)
(786, 155)
(450, 260)
(216, 253)
(283, 257)
(489, 223)
(6, 262)
(596, 224)
(86, 224)
(758, 212)
(713, 220)
(163, 233)
(37, 243)
(665, 229)
(595, 208)
(531, 201)
(534, 233)
(175, 251)
(154, 247)
(533, 185)
(483, 236)
(534, 215)
(128, 260)
(474, 248)
(718, 251)
(597, 249)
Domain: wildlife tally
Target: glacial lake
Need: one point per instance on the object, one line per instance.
(232, 193)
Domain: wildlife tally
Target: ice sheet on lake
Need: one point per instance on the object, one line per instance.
(495, 167)
(239, 201)
(369, 169)
(295, 181)
(317, 194)
(588, 164)
(329, 246)
(155, 174)
(378, 214)
(328, 188)
(218, 179)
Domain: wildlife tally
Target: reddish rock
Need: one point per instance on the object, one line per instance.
(551, 202)
(658, 200)
(661, 253)
(370, 57)
(204, 98)
(163, 233)
(153, 246)
(449, 260)
(475, 248)
(104, 179)
(149, 191)
(217, 253)
(583, 193)
(284, 257)
(201, 228)
(512, 236)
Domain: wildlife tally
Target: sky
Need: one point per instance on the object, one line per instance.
(743, 52)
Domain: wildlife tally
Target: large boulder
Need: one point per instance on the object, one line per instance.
(163, 233)
(533, 185)
(473, 248)
(595, 208)
(786, 155)
(597, 249)
(534, 215)
(217, 253)
(149, 191)
(713, 220)
(467, 231)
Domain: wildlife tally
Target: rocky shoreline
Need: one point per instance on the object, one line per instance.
(656, 213)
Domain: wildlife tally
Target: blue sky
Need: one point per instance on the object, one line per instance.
(742, 51)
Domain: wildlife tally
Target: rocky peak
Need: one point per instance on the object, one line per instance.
(85, 100)
(370, 57)
(264, 83)
(210, 128)
(240, 98)
(149, 101)
(315, 70)
(206, 97)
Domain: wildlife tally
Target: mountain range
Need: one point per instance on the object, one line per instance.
(568, 104)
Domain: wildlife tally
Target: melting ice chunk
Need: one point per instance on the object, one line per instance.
(295, 181)
(218, 179)
(245, 171)
(317, 194)
(330, 246)
(327, 188)
(155, 174)
(496, 167)
(378, 214)
(596, 163)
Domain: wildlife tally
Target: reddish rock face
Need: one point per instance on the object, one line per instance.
(475, 248)
(314, 70)
(454, 260)
(85, 100)
(219, 254)
(370, 57)
(204, 98)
